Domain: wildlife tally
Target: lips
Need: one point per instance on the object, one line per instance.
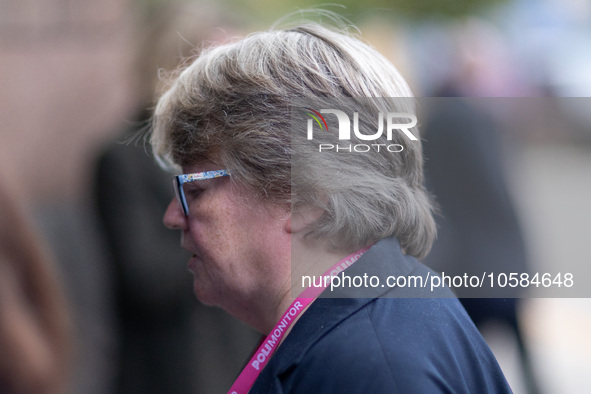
(189, 248)
(192, 265)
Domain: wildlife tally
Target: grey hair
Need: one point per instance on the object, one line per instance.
(235, 101)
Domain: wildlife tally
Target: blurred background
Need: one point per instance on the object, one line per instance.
(74, 75)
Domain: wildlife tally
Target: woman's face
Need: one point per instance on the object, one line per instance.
(240, 244)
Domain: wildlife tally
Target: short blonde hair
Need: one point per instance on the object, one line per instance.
(234, 102)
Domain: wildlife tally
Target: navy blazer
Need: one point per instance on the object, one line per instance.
(385, 342)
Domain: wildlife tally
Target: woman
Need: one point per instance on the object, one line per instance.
(264, 202)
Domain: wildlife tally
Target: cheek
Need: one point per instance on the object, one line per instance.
(213, 228)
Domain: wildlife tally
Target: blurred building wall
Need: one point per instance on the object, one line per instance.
(63, 83)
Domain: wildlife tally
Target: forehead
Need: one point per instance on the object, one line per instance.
(202, 166)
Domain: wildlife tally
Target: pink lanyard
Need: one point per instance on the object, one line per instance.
(251, 372)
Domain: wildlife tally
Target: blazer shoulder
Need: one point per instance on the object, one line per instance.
(400, 345)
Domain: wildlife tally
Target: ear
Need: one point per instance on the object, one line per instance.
(288, 228)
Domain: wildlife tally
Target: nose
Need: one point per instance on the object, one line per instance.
(174, 217)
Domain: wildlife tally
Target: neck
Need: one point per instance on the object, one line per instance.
(261, 310)
(267, 304)
(306, 260)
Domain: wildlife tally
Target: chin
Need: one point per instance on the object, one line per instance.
(203, 295)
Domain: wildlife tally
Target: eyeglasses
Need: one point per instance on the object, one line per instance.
(179, 180)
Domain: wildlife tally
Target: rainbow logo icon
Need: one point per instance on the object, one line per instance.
(317, 117)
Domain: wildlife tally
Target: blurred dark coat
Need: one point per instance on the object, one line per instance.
(478, 229)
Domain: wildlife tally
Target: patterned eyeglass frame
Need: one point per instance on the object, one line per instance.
(181, 179)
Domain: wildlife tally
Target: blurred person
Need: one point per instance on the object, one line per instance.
(478, 227)
(479, 230)
(167, 342)
(255, 205)
(34, 319)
